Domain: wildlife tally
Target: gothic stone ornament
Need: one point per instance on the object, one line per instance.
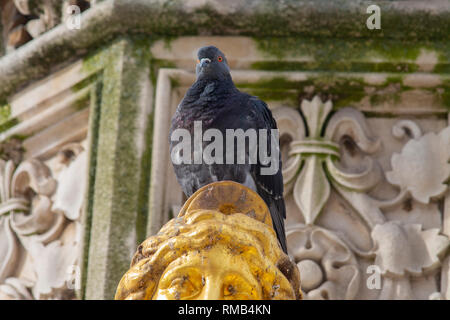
(221, 246)
(328, 267)
(313, 156)
(40, 227)
(406, 251)
(24, 20)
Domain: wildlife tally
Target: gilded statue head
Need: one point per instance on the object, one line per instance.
(221, 246)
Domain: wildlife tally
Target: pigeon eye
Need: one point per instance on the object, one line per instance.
(219, 58)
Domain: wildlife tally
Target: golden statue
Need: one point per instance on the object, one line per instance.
(222, 246)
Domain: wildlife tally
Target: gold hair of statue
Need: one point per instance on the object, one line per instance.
(222, 246)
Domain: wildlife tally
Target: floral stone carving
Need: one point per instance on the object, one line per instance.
(427, 157)
(329, 268)
(221, 246)
(400, 244)
(39, 226)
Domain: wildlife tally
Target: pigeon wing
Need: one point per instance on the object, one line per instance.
(270, 186)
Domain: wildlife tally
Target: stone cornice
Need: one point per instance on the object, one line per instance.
(402, 20)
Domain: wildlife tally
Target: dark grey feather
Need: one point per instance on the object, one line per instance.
(215, 101)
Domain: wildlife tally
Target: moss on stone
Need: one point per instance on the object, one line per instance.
(144, 186)
(142, 59)
(337, 19)
(119, 203)
(338, 66)
(94, 113)
(2, 44)
(337, 49)
(115, 196)
(155, 65)
(369, 55)
(8, 124)
(333, 20)
(85, 82)
(341, 91)
(5, 112)
(444, 94)
(82, 102)
(442, 68)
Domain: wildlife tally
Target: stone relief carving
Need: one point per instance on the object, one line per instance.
(329, 267)
(40, 225)
(404, 250)
(336, 177)
(24, 20)
(427, 156)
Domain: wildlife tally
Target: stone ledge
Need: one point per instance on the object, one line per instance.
(401, 20)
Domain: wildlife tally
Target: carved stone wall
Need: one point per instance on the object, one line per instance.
(41, 225)
(364, 124)
(81, 133)
(366, 182)
(44, 188)
(350, 209)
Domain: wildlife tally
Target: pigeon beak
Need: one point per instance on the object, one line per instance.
(204, 62)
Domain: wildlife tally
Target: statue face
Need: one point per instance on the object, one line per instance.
(208, 274)
(200, 255)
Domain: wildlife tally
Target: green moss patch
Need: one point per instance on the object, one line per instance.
(362, 55)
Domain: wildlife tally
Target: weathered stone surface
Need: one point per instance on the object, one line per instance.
(41, 238)
(122, 124)
(413, 20)
(355, 217)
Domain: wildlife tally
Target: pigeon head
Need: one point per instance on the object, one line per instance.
(212, 64)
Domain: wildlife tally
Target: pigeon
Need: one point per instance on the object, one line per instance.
(215, 102)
